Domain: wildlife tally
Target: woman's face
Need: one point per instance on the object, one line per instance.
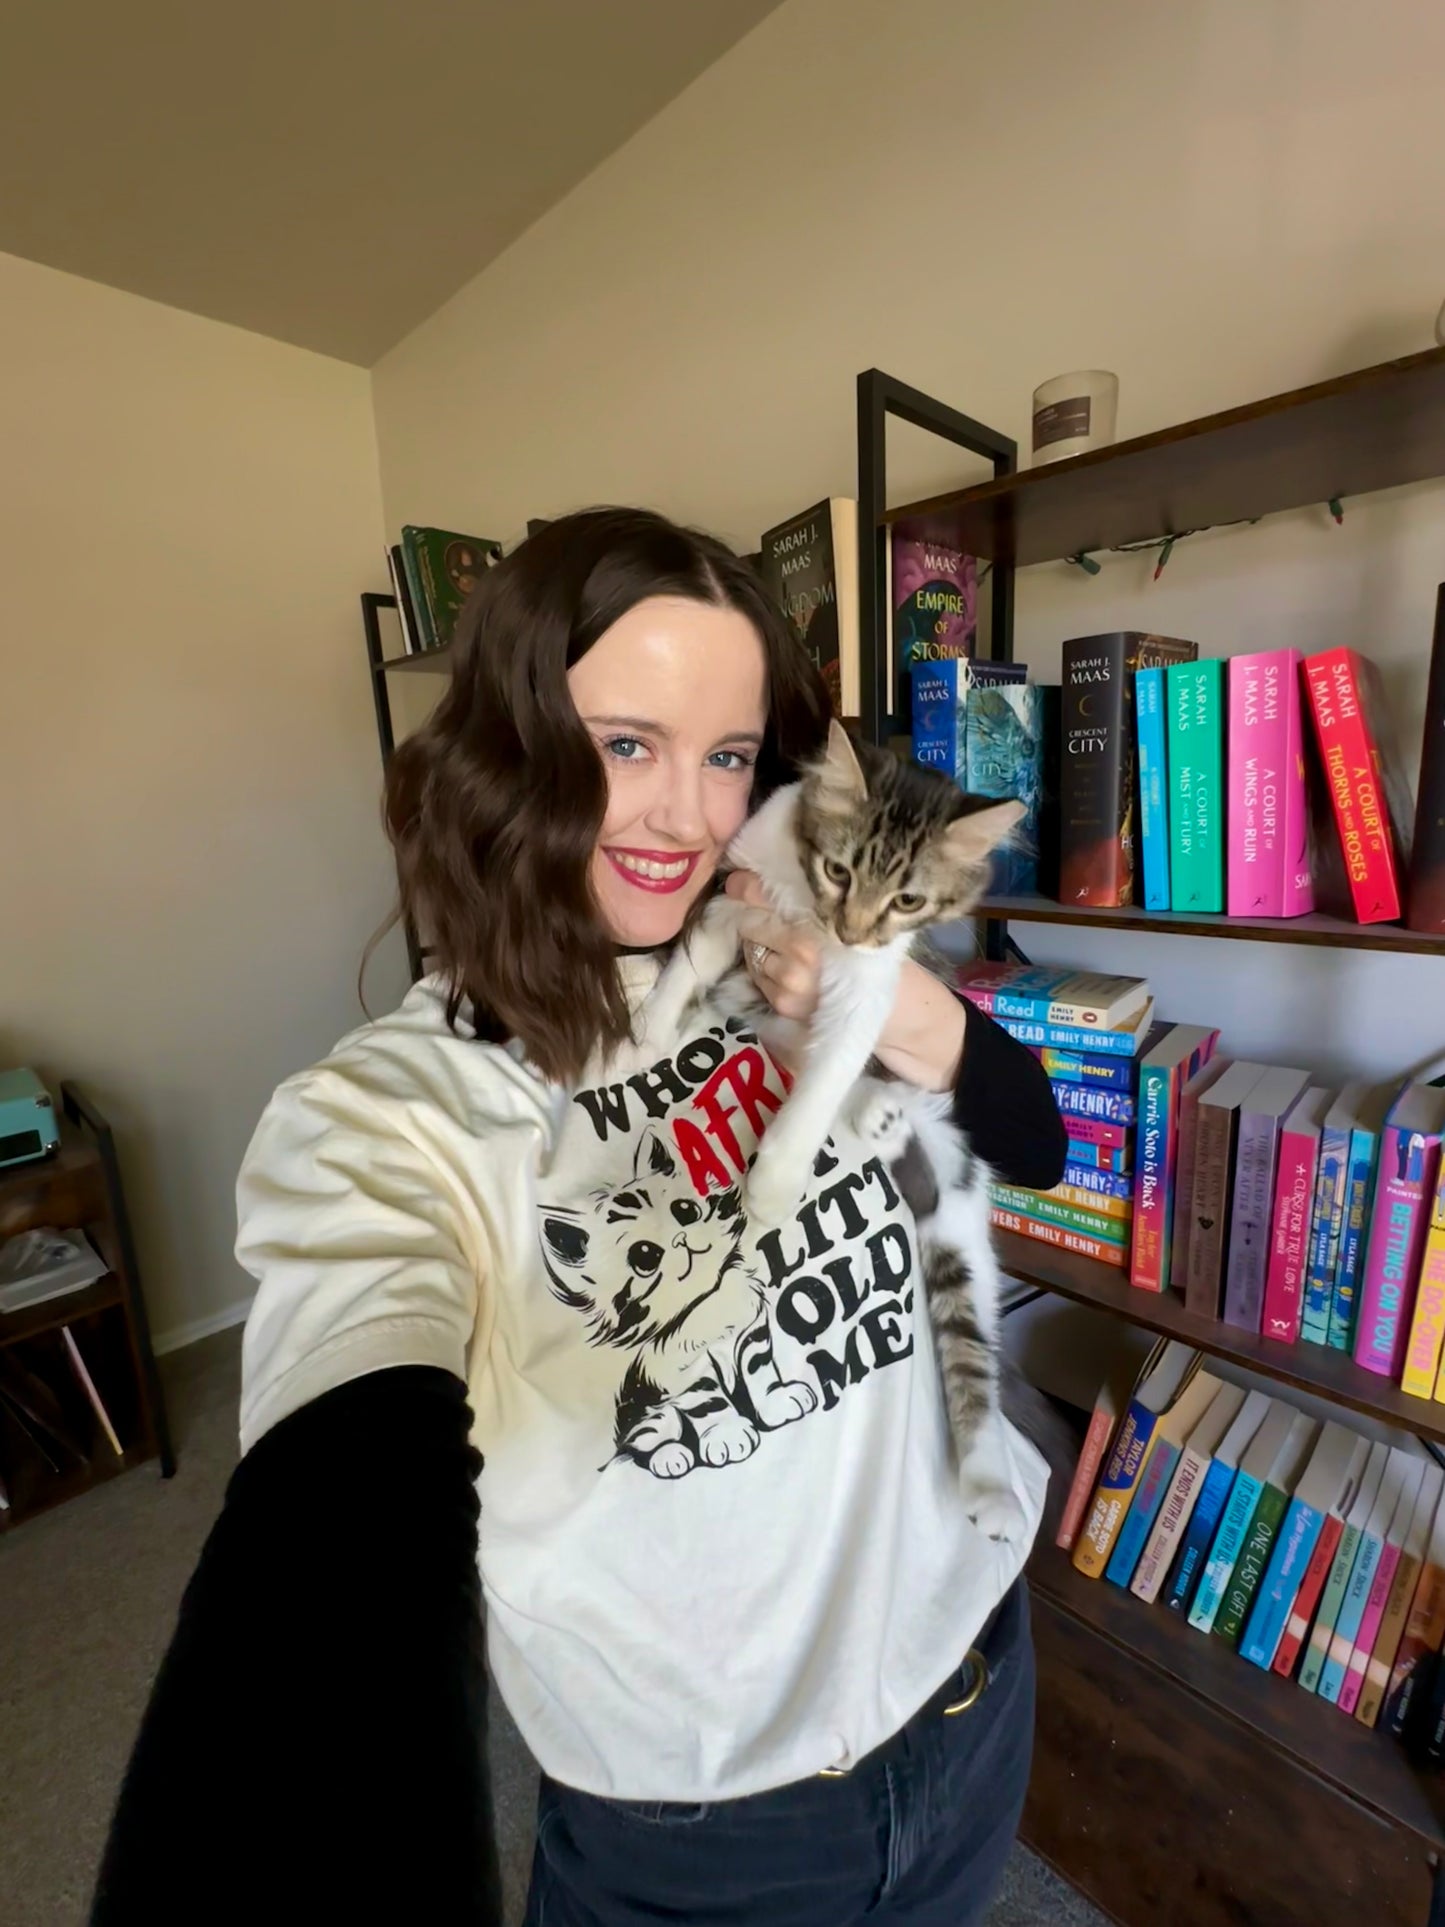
(674, 695)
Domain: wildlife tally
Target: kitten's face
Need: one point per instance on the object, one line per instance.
(890, 847)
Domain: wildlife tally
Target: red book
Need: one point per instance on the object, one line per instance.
(1346, 710)
(1109, 1407)
(1297, 1626)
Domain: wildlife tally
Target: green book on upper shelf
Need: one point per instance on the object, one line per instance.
(1196, 785)
(441, 570)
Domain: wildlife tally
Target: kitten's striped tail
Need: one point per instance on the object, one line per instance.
(967, 1358)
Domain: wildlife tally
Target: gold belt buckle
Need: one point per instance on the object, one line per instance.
(833, 1772)
(973, 1658)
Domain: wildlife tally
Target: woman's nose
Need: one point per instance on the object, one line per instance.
(678, 811)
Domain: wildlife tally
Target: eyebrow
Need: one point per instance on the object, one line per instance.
(753, 736)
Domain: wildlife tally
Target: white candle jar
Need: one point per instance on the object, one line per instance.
(1073, 413)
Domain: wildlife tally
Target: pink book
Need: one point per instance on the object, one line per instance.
(1269, 867)
(1294, 1194)
(1369, 1628)
(1098, 1130)
(1399, 1222)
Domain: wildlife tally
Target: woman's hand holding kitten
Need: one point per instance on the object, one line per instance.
(922, 1042)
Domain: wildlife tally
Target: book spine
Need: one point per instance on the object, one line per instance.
(1249, 1221)
(1351, 1616)
(1301, 1613)
(1196, 721)
(1085, 1100)
(1088, 1070)
(1095, 1201)
(1097, 1131)
(1228, 1543)
(1118, 1158)
(1408, 1163)
(938, 719)
(1353, 1684)
(1088, 1177)
(1294, 812)
(1345, 1290)
(1199, 1536)
(411, 561)
(1061, 1238)
(1139, 1520)
(1253, 886)
(1213, 1178)
(1284, 1280)
(1168, 1530)
(1116, 1490)
(1097, 1441)
(1153, 1184)
(1421, 1377)
(1183, 1208)
(1096, 860)
(1114, 1043)
(1354, 777)
(1035, 1204)
(1387, 1641)
(1325, 1221)
(1293, 1548)
(1250, 1567)
(1005, 1001)
(1424, 1627)
(1331, 1599)
(1426, 894)
(1153, 807)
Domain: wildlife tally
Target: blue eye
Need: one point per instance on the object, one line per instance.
(627, 749)
(730, 759)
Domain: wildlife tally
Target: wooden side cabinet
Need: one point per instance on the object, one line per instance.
(79, 1188)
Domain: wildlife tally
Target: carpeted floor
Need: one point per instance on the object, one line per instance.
(88, 1595)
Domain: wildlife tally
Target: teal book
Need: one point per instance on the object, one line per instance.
(1365, 1135)
(1327, 1485)
(1254, 1469)
(1153, 798)
(1196, 778)
(1327, 1613)
(1269, 1510)
(1328, 1215)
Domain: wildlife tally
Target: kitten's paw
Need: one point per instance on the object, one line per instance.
(671, 1461)
(879, 1119)
(730, 1438)
(997, 1514)
(781, 1404)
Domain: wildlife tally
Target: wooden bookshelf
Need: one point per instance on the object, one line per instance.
(1315, 1369)
(1366, 1766)
(1379, 427)
(1336, 933)
(433, 662)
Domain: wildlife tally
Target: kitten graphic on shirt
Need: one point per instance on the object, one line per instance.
(656, 1271)
(868, 851)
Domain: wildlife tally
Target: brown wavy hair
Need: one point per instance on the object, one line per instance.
(494, 807)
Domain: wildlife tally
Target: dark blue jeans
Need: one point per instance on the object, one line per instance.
(917, 1832)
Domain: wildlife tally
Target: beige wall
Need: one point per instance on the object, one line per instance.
(188, 772)
(1217, 201)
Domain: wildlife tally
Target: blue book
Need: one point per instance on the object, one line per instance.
(1149, 716)
(1004, 757)
(1355, 1221)
(1139, 1521)
(1088, 1177)
(1254, 1469)
(1327, 1217)
(940, 708)
(1089, 1069)
(1329, 1484)
(1084, 1100)
(1401, 1478)
(1209, 1507)
(1102, 1043)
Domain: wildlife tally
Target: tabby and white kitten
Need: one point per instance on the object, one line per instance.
(869, 851)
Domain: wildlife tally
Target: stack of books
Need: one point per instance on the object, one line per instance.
(1314, 1552)
(1091, 1033)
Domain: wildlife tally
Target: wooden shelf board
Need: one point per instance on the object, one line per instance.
(41, 1490)
(16, 1326)
(426, 662)
(1377, 428)
(1308, 1368)
(1333, 932)
(1369, 1767)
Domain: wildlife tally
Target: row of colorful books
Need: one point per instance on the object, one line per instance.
(433, 571)
(1311, 1550)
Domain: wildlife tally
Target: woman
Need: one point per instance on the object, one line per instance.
(771, 1672)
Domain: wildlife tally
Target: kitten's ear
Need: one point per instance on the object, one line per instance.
(970, 839)
(838, 782)
(653, 1158)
